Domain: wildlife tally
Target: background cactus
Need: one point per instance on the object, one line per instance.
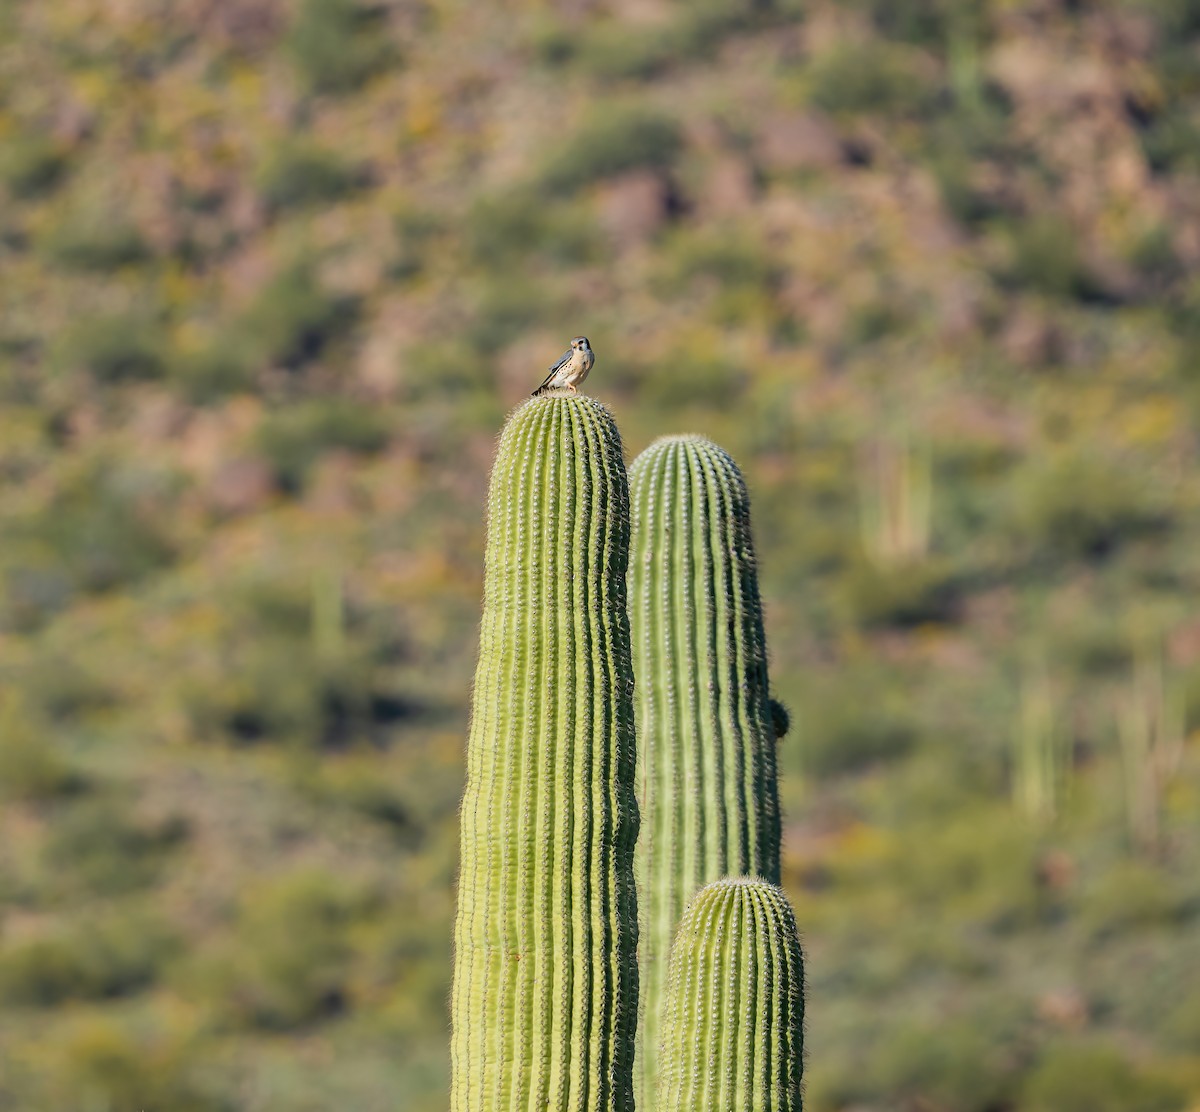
(732, 1036)
(706, 731)
(545, 978)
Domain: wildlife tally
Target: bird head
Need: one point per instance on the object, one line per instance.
(580, 343)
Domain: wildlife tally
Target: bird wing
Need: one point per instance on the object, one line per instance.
(562, 362)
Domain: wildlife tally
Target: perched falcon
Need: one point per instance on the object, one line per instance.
(571, 369)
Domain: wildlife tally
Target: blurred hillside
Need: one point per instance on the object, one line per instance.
(272, 273)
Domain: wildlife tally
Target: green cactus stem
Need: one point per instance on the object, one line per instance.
(545, 978)
(707, 777)
(732, 1036)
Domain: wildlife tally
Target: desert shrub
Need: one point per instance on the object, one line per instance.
(31, 164)
(297, 175)
(982, 869)
(907, 593)
(270, 691)
(31, 768)
(114, 955)
(1180, 1026)
(63, 686)
(609, 143)
(705, 24)
(870, 77)
(617, 52)
(954, 172)
(950, 1067)
(31, 594)
(726, 257)
(291, 960)
(874, 319)
(1082, 506)
(225, 366)
(295, 319)
(339, 45)
(1175, 18)
(293, 439)
(613, 51)
(1172, 141)
(1130, 896)
(416, 230)
(847, 722)
(927, 22)
(360, 789)
(452, 368)
(1170, 123)
(1095, 643)
(1044, 256)
(119, 348)
(502, 227)
(96, 846)
(102, 1065)
(96, 243)
(507, 305)
(1153, 254)
(691, 378)
(273, 679)
(102, 528)
(1082, 1077)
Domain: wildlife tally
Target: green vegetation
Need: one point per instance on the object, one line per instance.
(294, 318)
(733, 1024)
(1097, 1079)
(113, 349)
(112, 957)
(706, 743)
(31, 164)
(96, 242)
(609, 143)
(549, 817)
(927, 270)
(297, 175)
(337, 45)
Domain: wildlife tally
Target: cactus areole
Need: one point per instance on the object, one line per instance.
(545, 976)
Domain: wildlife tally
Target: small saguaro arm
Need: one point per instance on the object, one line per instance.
(707, 730)
(732, 1037)
(545, 976)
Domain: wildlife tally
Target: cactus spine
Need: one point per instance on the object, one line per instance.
(545, 978)
(707, 776)
(733, 1028)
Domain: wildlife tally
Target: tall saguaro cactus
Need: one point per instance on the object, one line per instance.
(733, 1027)
(545, 977)
(707, 780)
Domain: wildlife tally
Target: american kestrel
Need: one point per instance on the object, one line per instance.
(571, 369)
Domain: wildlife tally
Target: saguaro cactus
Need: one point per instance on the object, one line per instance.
(707, 780)
(733, 1028)
(545, 977)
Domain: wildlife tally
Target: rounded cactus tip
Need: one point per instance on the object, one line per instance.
(733, 1032)
(738, 882)
(557, 398)
(781, 720)
(693, 440)
(681, 438)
